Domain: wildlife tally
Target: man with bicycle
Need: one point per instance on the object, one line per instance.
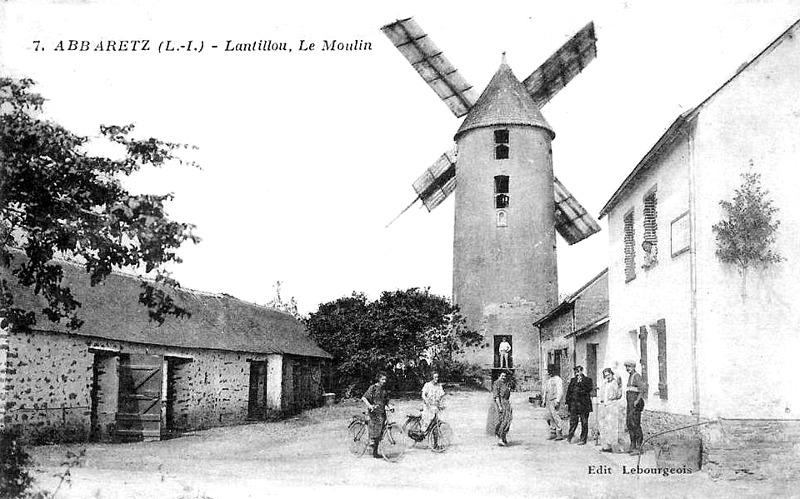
(377, 400)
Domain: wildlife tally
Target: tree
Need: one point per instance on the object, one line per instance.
(59, 200)
(289, 307)
(746, 235)
(398, 329)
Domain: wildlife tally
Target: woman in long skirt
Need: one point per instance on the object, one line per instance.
(610, 413)
(500, 413)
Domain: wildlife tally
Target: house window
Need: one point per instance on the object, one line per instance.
(650, 240)
(630, 249)
(501, 144)
(501, 191)
(679, 234)
(660, 328)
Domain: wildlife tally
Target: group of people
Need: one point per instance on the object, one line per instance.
(578, 402)
(611, 411)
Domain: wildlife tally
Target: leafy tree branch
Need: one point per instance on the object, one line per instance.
(58, 200)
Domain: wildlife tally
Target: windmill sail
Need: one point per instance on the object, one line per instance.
(438, 181)
(432, 65)
(572, 220)
(561, 67)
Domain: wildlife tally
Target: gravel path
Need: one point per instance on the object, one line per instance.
(306, 457)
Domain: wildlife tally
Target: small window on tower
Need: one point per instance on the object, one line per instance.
(501, 144)
(501, 191)
(502, 218)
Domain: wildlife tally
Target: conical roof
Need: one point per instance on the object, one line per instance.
(504, 102)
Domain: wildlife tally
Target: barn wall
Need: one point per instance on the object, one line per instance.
(49, 380)
(214, 389)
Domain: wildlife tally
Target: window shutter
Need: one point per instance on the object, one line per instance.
(650, 218)
(650, 238)
(630, 249)
(661, 331)
(643, 352)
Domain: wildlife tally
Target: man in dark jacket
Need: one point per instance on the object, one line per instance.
(579, 402)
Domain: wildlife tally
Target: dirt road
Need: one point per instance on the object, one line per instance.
(306, 457)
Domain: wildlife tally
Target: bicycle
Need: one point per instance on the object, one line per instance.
(391, 445)
(438, 433)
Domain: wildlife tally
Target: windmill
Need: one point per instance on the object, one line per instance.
(508, 204)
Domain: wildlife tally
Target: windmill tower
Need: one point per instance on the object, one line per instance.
(508, 205)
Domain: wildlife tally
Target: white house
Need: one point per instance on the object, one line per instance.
(710, 345)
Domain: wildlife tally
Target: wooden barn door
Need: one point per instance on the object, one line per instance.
(139, 410)
(257, 399)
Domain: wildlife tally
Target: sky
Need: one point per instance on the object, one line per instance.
(306, 156)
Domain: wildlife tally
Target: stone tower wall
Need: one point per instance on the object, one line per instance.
(494, 266)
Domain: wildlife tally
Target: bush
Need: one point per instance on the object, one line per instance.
(14, 464)
(459, 371)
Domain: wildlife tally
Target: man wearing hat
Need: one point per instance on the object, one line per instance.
(579, 402)
(635, 392)
(551, 400)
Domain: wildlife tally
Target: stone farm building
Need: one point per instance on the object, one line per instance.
(120, 376)
(575, 332)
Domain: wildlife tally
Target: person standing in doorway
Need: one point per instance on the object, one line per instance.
(635, 392)
(377, 400)
(551, 400)
(579, 403)
(504, 349)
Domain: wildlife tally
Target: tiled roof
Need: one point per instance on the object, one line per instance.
(504, 102)
(111, 310)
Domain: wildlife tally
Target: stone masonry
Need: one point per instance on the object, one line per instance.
(49, 380)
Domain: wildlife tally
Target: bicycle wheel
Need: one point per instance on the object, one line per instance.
(412, 425)
(393, 444)
(357, 438)
(440, 437)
